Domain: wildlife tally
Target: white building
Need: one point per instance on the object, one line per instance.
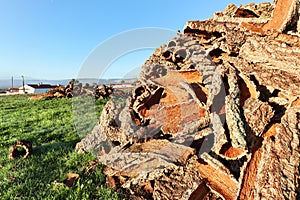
(36, 88)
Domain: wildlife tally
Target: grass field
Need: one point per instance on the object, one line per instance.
(49, 126)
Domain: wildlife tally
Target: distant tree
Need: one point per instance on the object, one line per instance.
(72, 81)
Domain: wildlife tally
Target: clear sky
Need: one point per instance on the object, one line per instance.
(50, 39)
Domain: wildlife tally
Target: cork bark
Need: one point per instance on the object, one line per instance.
(216, 114)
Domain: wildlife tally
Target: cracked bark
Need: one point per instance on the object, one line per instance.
(217, 113)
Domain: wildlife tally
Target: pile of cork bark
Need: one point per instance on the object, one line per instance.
(74, 88)
(217, 113)
(98, 91)
(61, 91)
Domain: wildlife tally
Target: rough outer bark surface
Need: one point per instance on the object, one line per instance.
(272, 172)
(258, 114)
(172, 182)
(233, 112)
(216, 114)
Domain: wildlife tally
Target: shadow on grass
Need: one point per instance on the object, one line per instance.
(41, 149)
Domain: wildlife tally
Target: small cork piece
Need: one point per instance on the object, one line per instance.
(20, 149)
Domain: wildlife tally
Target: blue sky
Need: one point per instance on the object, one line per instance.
(51, 39)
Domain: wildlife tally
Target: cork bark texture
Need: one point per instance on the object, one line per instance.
(216, 114)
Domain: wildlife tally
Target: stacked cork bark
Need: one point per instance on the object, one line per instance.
(217, 113)
(77, 89)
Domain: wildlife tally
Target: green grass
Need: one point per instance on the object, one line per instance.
(49, 126)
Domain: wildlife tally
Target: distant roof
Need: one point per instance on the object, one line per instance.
(42, 86)
(14, 89)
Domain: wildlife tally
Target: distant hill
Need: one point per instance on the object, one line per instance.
(6, 83)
